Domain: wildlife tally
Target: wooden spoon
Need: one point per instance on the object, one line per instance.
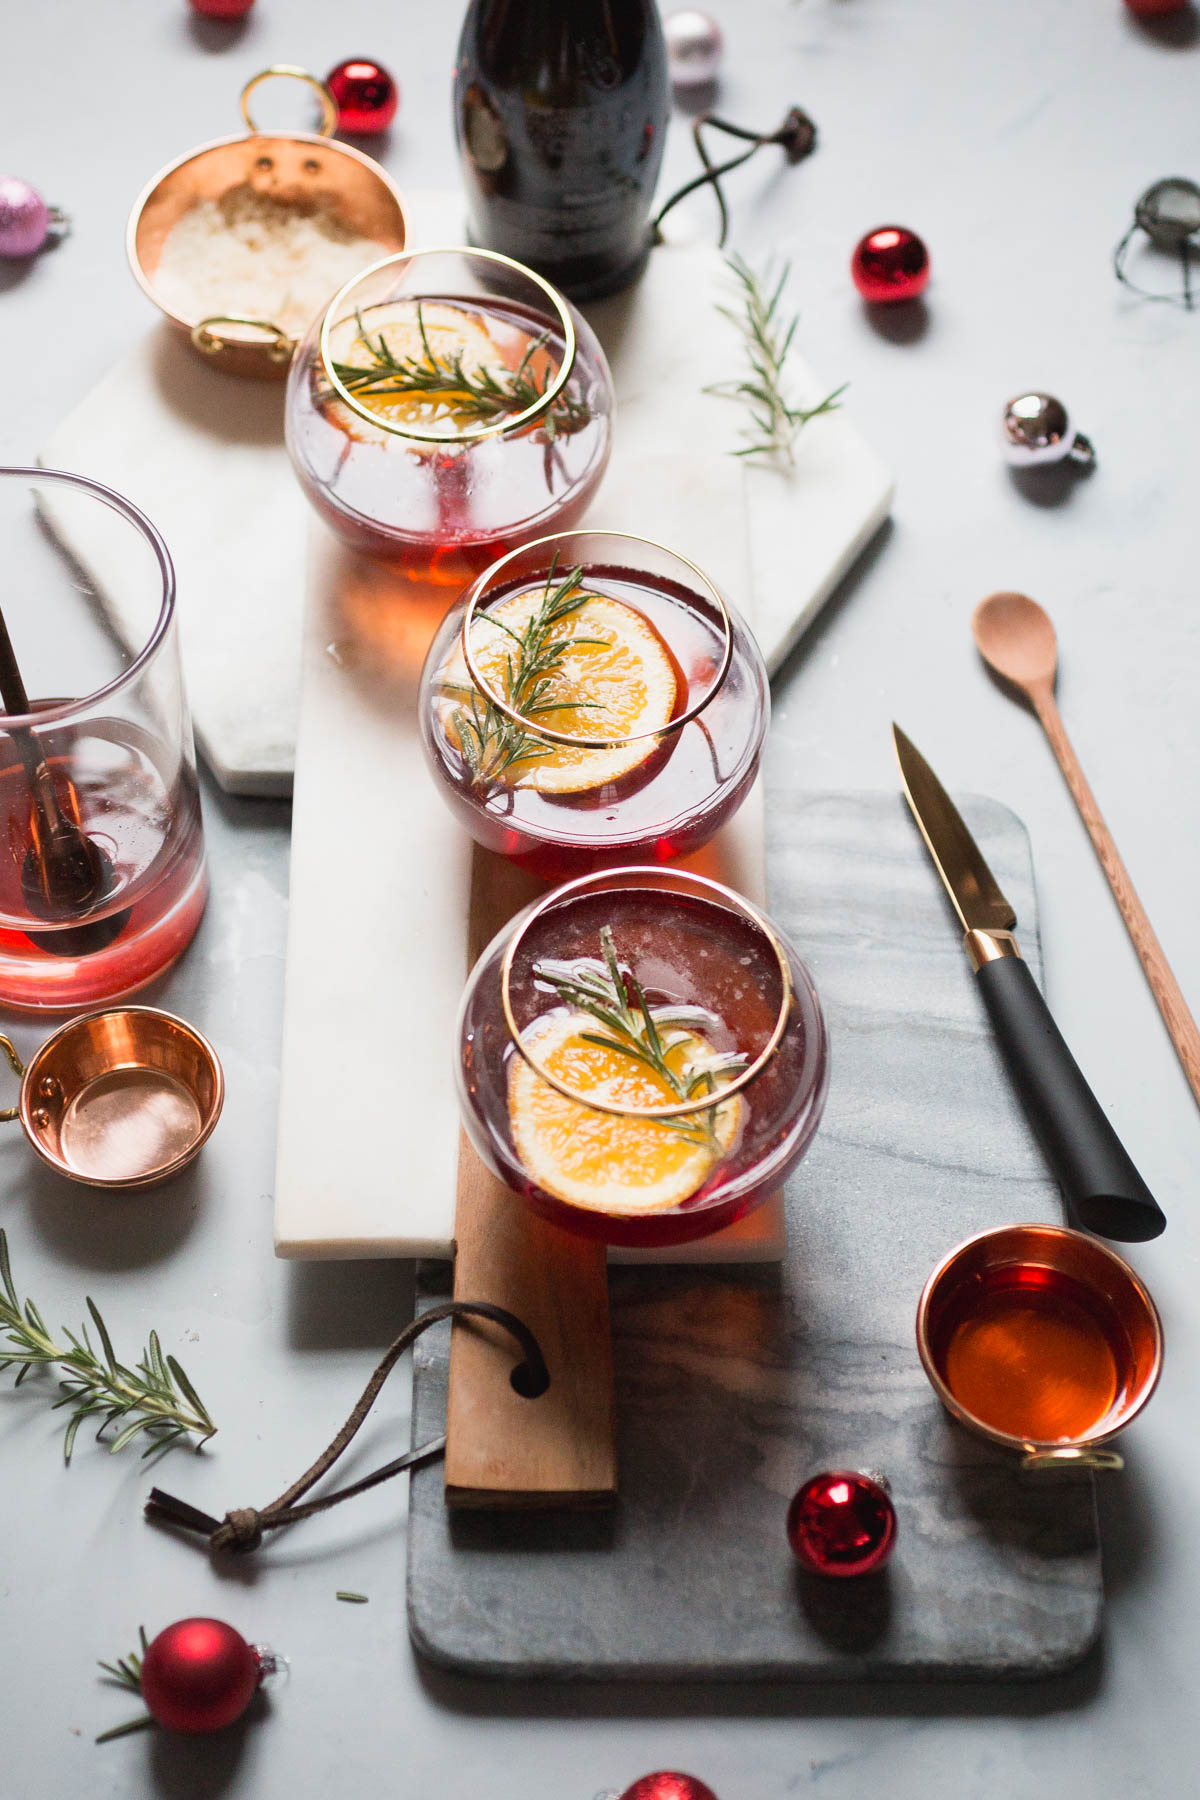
(1016, 639)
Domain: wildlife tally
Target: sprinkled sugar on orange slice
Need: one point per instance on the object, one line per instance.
(604, 1161)
(614, 677)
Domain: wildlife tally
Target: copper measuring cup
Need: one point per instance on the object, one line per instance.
(121, 1098)
(299, 167)
(1056, 1269)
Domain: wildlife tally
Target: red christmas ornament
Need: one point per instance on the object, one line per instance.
(1157, 9)
(221, 9)
(366, 96)
(841, 1523)
(889, 264)
(668, 1784)
(199, 1675)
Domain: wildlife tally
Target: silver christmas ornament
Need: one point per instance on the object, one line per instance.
(1169, 214)
(694, 45)
(1037, 431)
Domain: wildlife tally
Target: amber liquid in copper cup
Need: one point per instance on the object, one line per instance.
(1040, 1339)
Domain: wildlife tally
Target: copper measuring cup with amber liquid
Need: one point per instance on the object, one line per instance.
(1043, 1340)
(304, 169)
(122, 1098)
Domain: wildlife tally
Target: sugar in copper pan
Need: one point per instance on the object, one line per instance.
(121, 1098)
(300, 168)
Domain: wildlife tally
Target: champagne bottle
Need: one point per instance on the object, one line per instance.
(561, 112)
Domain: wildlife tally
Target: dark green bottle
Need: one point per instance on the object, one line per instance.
(561, 112)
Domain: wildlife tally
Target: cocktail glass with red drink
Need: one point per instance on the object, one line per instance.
(593, 700)
(643, 1056)
(102, 876)
(448, 405)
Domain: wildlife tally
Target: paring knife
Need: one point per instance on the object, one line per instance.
(1102, 1188)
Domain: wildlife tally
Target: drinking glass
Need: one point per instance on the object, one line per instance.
(102, 876)
(556, 1093)
(544, 770)
(443, 480)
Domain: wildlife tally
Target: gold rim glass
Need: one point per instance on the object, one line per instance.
(700, 887)
(469, 275)
(557, 553)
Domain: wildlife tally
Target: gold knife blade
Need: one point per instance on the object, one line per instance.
(974, 890)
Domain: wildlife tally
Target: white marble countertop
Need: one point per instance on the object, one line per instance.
(1015, 138)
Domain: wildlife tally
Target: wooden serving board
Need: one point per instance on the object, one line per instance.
(734, 1384)
(501, 1450)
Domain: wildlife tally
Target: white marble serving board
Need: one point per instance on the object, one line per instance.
(368, 1118)
(202, 453)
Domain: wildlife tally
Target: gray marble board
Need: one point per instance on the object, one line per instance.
(734, 1385)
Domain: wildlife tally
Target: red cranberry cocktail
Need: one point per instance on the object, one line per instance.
(642, 1056)
(593, 700)
(449, 405)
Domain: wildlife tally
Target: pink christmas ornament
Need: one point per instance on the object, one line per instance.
(25, 219)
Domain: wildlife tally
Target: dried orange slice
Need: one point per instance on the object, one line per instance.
(450, 332)
(608, 1162)
(614, 677)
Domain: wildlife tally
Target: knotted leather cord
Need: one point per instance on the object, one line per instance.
(797, 136)
(242, 1528)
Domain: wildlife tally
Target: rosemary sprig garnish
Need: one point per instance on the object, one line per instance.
(479, 394)
(634, 1028)
(156, 1397)
(774, 423)
(127, 1673)
(490, 741)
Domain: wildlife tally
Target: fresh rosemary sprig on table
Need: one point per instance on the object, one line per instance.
(478, 394)
(156, 1397)
(127, 1673)
(774, 423)
(643, 1032)
(492, 742)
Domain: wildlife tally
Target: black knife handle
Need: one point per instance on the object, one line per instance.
(1103, 1190)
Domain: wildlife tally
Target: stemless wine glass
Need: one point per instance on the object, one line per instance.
(102, 877)
(627, 730)
(642, 1056)
(448, 405)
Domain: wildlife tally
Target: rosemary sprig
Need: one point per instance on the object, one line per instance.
(156, 1397)
(774, 423)
(126, 1672)
(479, 393)
(491, 742)
(634, 1028)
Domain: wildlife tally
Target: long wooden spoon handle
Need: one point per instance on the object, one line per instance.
(1171, 1004)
